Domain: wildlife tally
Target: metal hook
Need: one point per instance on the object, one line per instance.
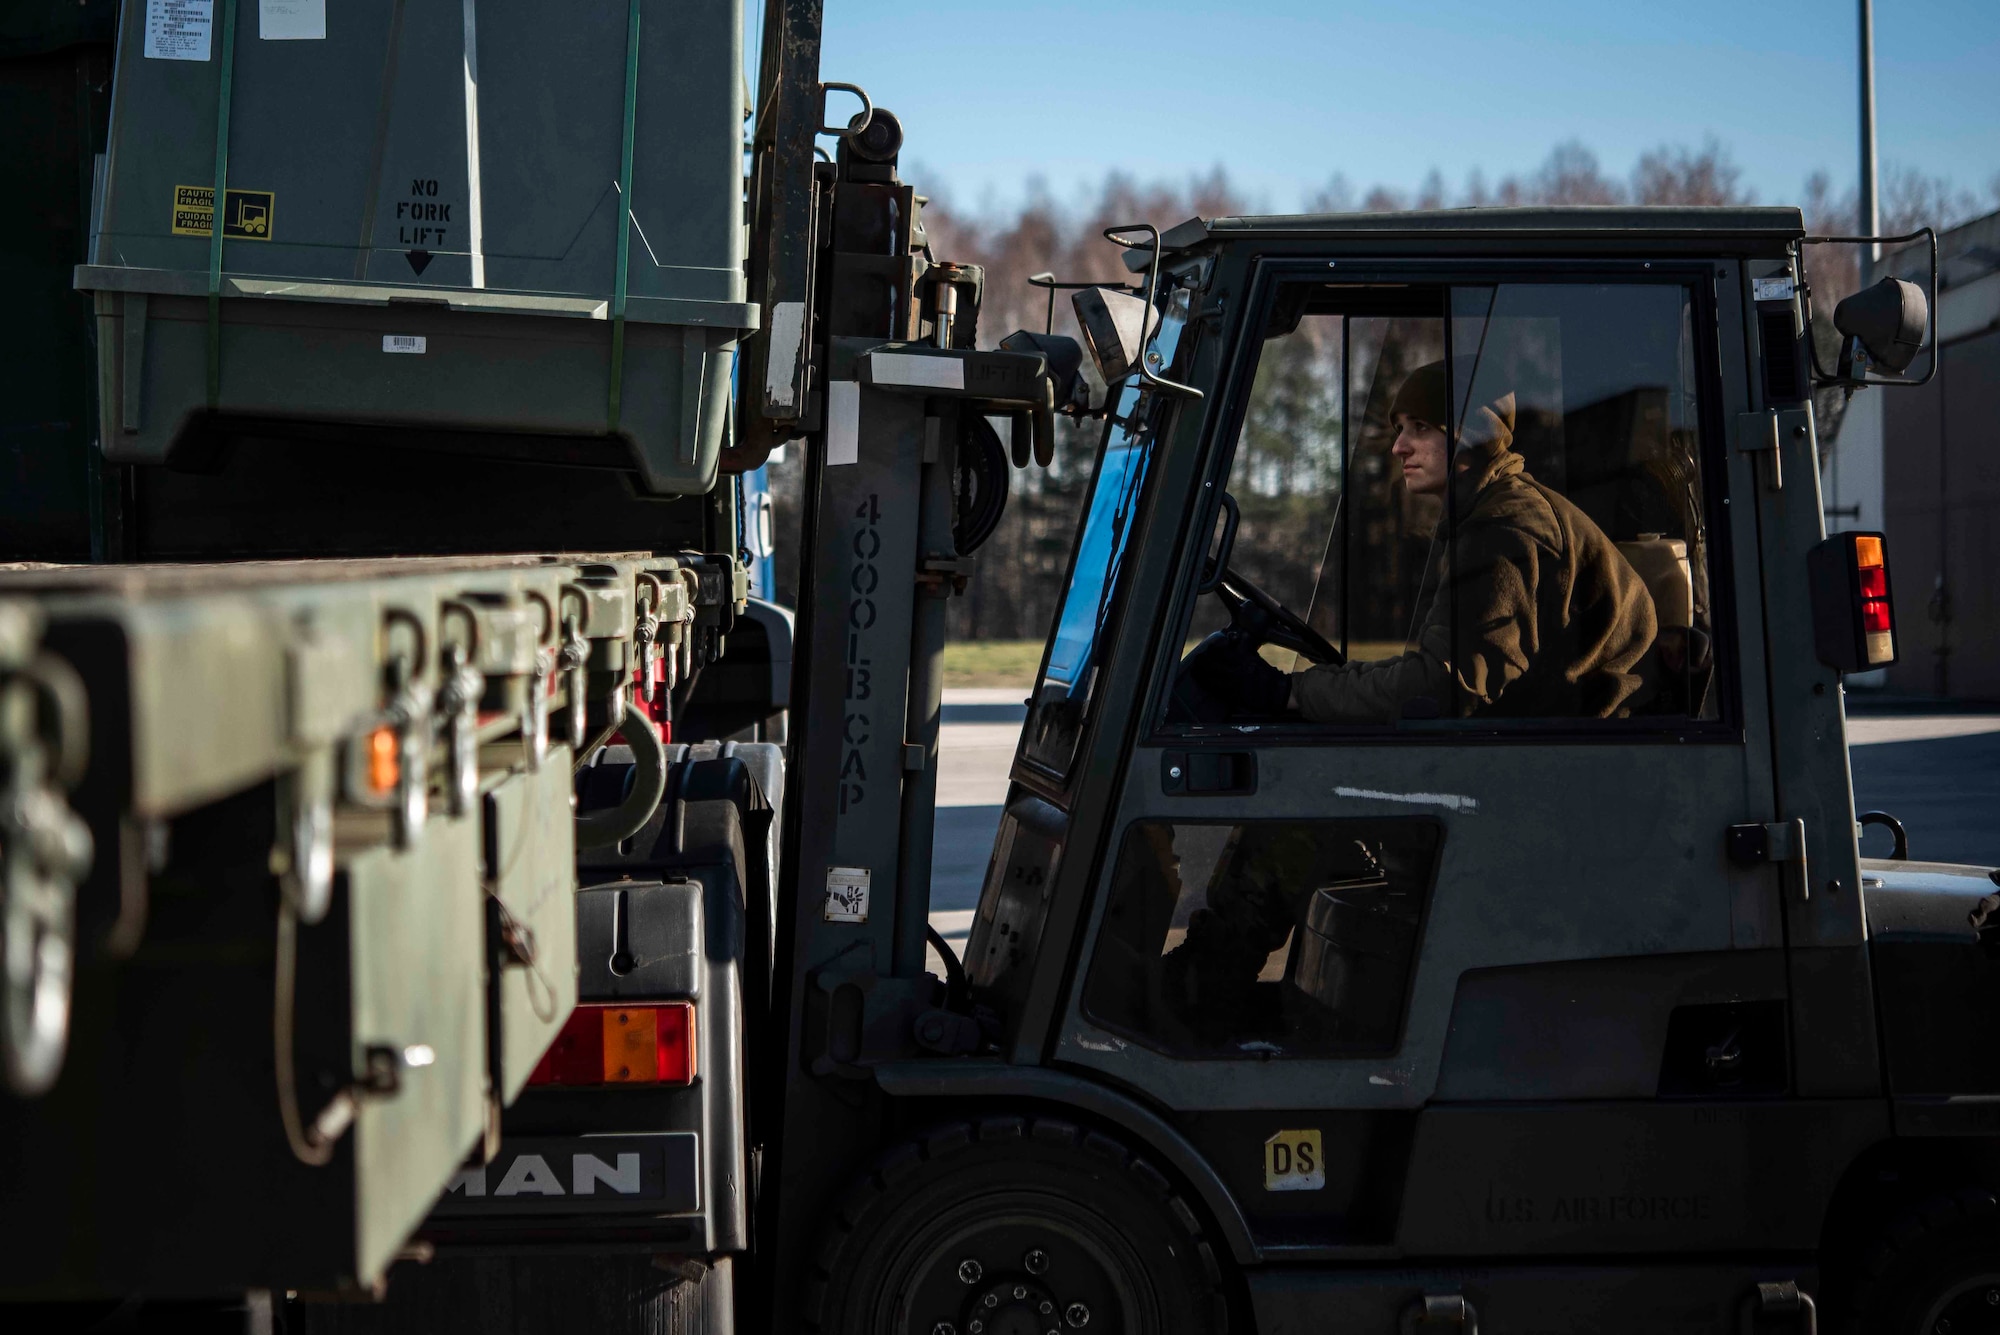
(404, 617)
(867, 109)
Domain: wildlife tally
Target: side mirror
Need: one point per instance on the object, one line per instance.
(1882, 326)
(1115, 325)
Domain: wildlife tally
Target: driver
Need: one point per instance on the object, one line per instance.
(1551, 621)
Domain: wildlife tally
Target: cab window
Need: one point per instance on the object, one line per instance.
(1067, 687)
(1463, 507)
(1263, 938)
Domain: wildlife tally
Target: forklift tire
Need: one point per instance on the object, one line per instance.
(1012, 1223)
(1935, 1269)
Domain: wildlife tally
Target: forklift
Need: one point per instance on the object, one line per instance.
(1447, 1020)
(1449, 1014)
(1583, 1022)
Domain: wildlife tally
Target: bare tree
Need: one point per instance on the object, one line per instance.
(1571, 175)
(1669, 175)
(1017, 582)
(1911, 200)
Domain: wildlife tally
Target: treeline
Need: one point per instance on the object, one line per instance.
(1018, 580)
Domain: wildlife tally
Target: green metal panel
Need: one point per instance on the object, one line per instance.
(531, 863)
(416, 950)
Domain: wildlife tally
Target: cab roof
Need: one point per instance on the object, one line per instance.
(1617, 222)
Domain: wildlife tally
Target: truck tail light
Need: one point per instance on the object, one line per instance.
(610, 1044)
(1871, 586)
(1854, 618)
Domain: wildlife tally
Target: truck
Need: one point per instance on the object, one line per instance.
(535, 932)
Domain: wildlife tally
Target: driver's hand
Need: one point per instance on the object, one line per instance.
(1233, 672)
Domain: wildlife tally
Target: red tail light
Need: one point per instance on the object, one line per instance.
(1854, 618)
(608, 1044)
(1871, 586)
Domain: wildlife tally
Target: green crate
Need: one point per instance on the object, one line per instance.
(421, 231)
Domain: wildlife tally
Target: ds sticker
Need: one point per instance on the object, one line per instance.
(1293, 1162)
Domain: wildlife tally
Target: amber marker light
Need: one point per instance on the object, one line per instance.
(385, 760)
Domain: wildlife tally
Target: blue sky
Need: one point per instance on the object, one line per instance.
(1284, 93)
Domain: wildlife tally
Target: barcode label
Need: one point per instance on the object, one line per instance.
(403, 342)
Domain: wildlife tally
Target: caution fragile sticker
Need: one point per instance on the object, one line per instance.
(247, 215)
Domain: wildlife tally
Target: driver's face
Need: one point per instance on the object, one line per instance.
(1420, 448)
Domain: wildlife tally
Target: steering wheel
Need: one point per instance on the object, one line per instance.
(1265, 620)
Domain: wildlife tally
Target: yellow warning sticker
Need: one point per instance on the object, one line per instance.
(1294, 1161)
(246, 214)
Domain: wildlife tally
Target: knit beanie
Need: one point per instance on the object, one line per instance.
(1425, 396)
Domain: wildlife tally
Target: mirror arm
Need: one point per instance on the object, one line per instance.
(1823, 377)
(1147, 331)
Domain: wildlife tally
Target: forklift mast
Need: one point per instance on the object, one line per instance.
(903, 443)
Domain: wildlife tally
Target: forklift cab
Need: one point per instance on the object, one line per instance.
(1417, 970)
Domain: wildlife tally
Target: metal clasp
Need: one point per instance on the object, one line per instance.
(570, 661)
(646, 633)
(1782, 842)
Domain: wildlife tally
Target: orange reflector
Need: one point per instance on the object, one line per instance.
(1868, 551)
(622, 1045)
(385, 761)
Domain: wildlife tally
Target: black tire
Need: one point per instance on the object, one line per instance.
(1014, 1224)
(1936, 1263)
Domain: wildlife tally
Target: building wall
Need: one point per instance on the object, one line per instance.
(1941, 504)
(1923, 465)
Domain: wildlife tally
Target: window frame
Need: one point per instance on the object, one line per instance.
(1037, 775)
(1696, 276)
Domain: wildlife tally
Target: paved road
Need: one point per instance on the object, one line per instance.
(1937, 773)
(975, 750)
